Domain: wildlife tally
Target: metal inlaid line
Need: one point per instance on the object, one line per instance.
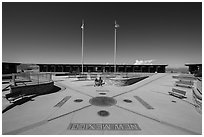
(40, 123)
(79, 91)
(68, 113)
(155, 119)
(26, 128)
(139, 86)
(162, 122)
(176, 98)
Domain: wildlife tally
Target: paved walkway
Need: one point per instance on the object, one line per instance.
(141, 108)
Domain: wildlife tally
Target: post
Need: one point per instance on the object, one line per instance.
(82, 46)
(50, 79)
(38, 74)
(13, 79)
(29, 77)
(115, 49)
(115, 45)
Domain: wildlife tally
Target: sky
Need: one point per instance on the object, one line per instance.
(50, 32)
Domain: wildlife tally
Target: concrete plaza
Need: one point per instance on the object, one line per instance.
(141, 108)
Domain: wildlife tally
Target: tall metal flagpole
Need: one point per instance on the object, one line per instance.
(115, 45)
(82, 46)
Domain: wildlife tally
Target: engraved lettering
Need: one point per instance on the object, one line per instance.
(89, 127)
(103, 126)
(81, 127)
(106, 127)
(135, 127)
(98, 126)
(74, 126)
(118, 127)
(126, 126)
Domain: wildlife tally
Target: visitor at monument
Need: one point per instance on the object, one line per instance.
(98, 82)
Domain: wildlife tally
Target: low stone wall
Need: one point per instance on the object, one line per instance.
(197, 89)
(33, 89)
(127, 81)
(134, 80)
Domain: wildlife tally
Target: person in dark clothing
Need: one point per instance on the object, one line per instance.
(100, 81)
(96, 82)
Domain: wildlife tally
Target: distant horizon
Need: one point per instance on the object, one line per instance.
(170, 67)
(149, 32)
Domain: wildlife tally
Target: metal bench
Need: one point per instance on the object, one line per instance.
(190, 83)
(183, 85)
(178, 93)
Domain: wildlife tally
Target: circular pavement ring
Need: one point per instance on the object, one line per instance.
(78, 100)
(127, 100)
(102, 93)
(102, 101)
(103, 113)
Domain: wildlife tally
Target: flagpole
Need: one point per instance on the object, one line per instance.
(115, 44)
(82, 46)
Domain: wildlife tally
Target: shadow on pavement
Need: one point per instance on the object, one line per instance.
(30, 98)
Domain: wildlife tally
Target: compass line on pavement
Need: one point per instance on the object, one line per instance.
(78, 91)
(40, 123)
(138, 86)
(68, 113)
(162, 122)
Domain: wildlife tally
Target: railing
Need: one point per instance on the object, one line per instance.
(197, 94)
(92, 76)
(198, 85)
(30, 78)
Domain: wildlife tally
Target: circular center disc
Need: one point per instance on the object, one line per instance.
(103, 113)
(127, 100)
(78, 100)
(102, 93)
(103, 101)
